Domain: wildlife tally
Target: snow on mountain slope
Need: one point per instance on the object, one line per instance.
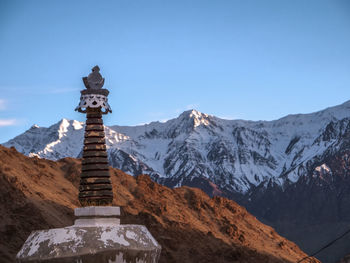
(60, 140)
(234, 154)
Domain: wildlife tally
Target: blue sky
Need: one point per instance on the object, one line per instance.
(233, 59)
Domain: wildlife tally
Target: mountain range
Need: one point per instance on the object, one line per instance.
(292, 173)
(233, 154)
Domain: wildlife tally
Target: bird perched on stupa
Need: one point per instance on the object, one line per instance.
(94, 80)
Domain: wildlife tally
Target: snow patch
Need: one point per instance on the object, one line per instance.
(323, 168)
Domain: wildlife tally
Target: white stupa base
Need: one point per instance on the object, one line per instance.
(92, 239)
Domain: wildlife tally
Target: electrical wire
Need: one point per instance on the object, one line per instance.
(326, 246)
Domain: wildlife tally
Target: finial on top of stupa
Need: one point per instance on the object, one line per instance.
(94, 96)
(94, 80)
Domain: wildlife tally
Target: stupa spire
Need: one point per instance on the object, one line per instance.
(95, 186)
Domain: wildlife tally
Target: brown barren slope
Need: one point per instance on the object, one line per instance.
(190, 226)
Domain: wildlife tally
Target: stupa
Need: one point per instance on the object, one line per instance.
(97, 234)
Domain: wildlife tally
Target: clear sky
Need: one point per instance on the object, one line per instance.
(234, 59)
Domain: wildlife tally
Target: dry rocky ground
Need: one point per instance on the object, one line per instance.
(189, 225)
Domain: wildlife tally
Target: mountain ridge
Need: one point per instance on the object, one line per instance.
(233, 154)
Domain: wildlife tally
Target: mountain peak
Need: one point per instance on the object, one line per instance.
(63, 126)
(197, 117)
(64, 121)
(194, 112)
(191, 112)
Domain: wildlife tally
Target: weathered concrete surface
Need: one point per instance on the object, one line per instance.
(84, 222)
(97, 216)
(97, 211)
(102, 244)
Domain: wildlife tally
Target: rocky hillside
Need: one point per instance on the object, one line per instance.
(190, 226)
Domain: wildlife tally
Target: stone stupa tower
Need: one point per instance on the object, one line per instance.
(97, 235)
(95, 185)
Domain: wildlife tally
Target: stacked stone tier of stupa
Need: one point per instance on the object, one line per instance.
(95, 184)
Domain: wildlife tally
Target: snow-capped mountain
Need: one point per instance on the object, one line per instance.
(235, 155)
